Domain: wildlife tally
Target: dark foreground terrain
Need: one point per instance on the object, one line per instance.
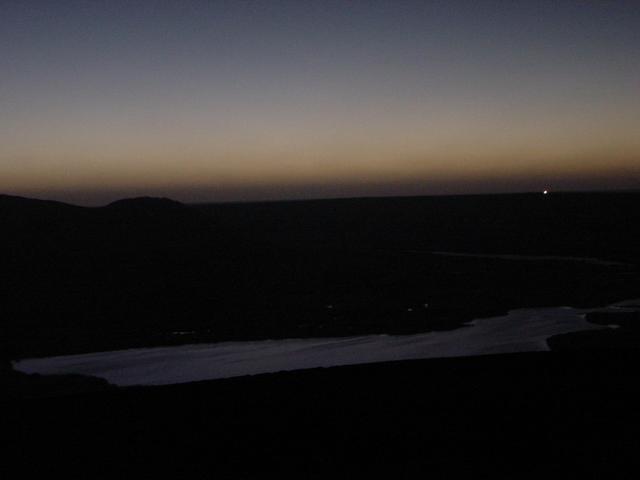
(135, 272)
(569, 413)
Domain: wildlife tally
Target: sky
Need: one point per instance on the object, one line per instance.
(265, 100)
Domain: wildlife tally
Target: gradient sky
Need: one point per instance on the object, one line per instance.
(242, 100)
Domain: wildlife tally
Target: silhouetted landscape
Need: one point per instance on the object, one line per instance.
(133, 272)
(150, 272)
(319, 239)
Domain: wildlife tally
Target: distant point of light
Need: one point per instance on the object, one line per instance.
(545, 192)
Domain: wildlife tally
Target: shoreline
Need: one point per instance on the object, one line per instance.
(521, 330)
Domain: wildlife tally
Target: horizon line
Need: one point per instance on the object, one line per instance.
(335, 198)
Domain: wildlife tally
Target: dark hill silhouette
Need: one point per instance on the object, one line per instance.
(25, 210)
(18, 214)
(33, 226)
(148, 204)
(157, 212)
(9, 204)
(24, 217)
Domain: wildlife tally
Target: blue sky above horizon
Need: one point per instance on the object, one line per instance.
(241, 100)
